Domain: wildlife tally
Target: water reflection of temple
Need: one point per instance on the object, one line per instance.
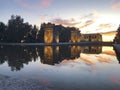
(92, 37)
(52, 55)
(92, 49)
(49, 55)
(75, 52)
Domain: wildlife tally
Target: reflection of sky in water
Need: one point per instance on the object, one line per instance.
(89, 71)
(108, 50)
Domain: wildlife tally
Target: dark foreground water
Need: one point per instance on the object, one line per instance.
(63, 67)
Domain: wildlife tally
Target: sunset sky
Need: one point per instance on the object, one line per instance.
(90, 16)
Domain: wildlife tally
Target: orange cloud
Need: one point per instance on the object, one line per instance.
(87, 61)
(111, 33)
(46, 3)
(40, 4)
(116, 6)
(103, 59)
(109, 52)
(64, 61)
(108, 36)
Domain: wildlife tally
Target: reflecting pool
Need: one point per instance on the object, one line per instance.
(64, 67)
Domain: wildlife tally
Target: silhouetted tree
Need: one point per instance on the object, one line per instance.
(40, 36)
(17, 29)
(2, 31)
(31, 36)
(117, 37)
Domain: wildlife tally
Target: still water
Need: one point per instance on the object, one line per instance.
(63, 67)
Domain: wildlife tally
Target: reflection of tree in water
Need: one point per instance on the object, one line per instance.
(32, 52)
(16, 56)
(3, 57)
(117, 54)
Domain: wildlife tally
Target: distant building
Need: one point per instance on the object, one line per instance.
(91, 37)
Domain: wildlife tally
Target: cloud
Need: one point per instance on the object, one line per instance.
(109, 52)
(103, 26)
(115, 79)
(89, 16)
(87, 23)
(108, 27)
(39, 4)
(109, 33)
(87, 61)
(65, 22)
(102, 59)
(116, 6)
(46, 3)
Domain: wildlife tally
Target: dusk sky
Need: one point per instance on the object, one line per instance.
(89, 16)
